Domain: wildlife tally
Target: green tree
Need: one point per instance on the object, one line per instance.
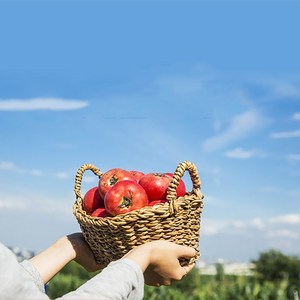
(276, 267)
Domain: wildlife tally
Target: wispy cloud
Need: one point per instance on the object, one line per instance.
(283, 233)
(280, 89)
(62, 175)
(55, 104)
(32, 202)
(182, 85)
(285, 134)
(240, 153)
(282, 226)
(288, 134)
(12, 167)
(286, 219)
(7, 166)
(294, 157)
(240, 127)
(296, 116)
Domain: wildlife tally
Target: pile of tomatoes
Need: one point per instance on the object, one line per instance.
(120, 191)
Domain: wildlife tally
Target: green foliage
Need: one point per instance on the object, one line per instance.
(62, 284)
(275, 267)
(277, 279)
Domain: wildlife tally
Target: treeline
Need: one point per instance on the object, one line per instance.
(276, 277)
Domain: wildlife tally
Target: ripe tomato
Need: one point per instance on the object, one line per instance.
(100, 212)
(92, 200)
(155, 185)
(181, 189)
(111, 177)
(125, 196)
(137, 174)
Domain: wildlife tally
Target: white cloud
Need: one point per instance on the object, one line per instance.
(240, 127)
(36, 172)
(61, 175)
(209, 229)
(11, 167)
(296, 116)
(286, 134)
(293, 157)
(29, 201)
(286, 225)
(212, 227)
(7, 165)
(280, 89)
(41, 104)
(241, 153)
(12, 203)
(257, 223)
(286, 219)
(283, 233)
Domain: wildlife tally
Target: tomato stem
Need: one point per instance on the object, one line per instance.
(113, 180)
(127, 201)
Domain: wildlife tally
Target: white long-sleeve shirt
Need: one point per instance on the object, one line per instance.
(122, 279)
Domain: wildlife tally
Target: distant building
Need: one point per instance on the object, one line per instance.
(22, 254)
(245, 269)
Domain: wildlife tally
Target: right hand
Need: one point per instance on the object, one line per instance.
(159, 261)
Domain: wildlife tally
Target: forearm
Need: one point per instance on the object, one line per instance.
(50, 261)
(122, 279)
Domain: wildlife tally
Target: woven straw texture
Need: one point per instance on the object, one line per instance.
(178, 220)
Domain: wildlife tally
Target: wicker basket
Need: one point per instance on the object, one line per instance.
(177, 220)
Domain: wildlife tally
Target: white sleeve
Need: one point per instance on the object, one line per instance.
(120, 280)
(16, 281)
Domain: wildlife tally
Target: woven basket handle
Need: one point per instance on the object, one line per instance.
(179, 172)
(79, 175)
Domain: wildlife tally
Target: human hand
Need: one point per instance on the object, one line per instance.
(83, 253)
(72, 247)
(160, 261)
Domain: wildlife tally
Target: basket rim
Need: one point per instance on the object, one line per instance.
(161, 210)
(171, 206)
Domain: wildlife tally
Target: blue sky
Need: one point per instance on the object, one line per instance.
(146, 85)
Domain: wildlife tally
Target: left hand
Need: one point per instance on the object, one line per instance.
(83, 253)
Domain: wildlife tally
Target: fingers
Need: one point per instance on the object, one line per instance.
(187, 252)
(186, 269)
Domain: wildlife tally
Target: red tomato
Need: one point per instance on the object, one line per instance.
(181, 189)
(100, 212)
(111, 177)
(137, 174)
(125, 196)
(92, 200)
(152, 203)
(155, 185)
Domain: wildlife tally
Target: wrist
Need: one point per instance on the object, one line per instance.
(67, 248)
(141, 255)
